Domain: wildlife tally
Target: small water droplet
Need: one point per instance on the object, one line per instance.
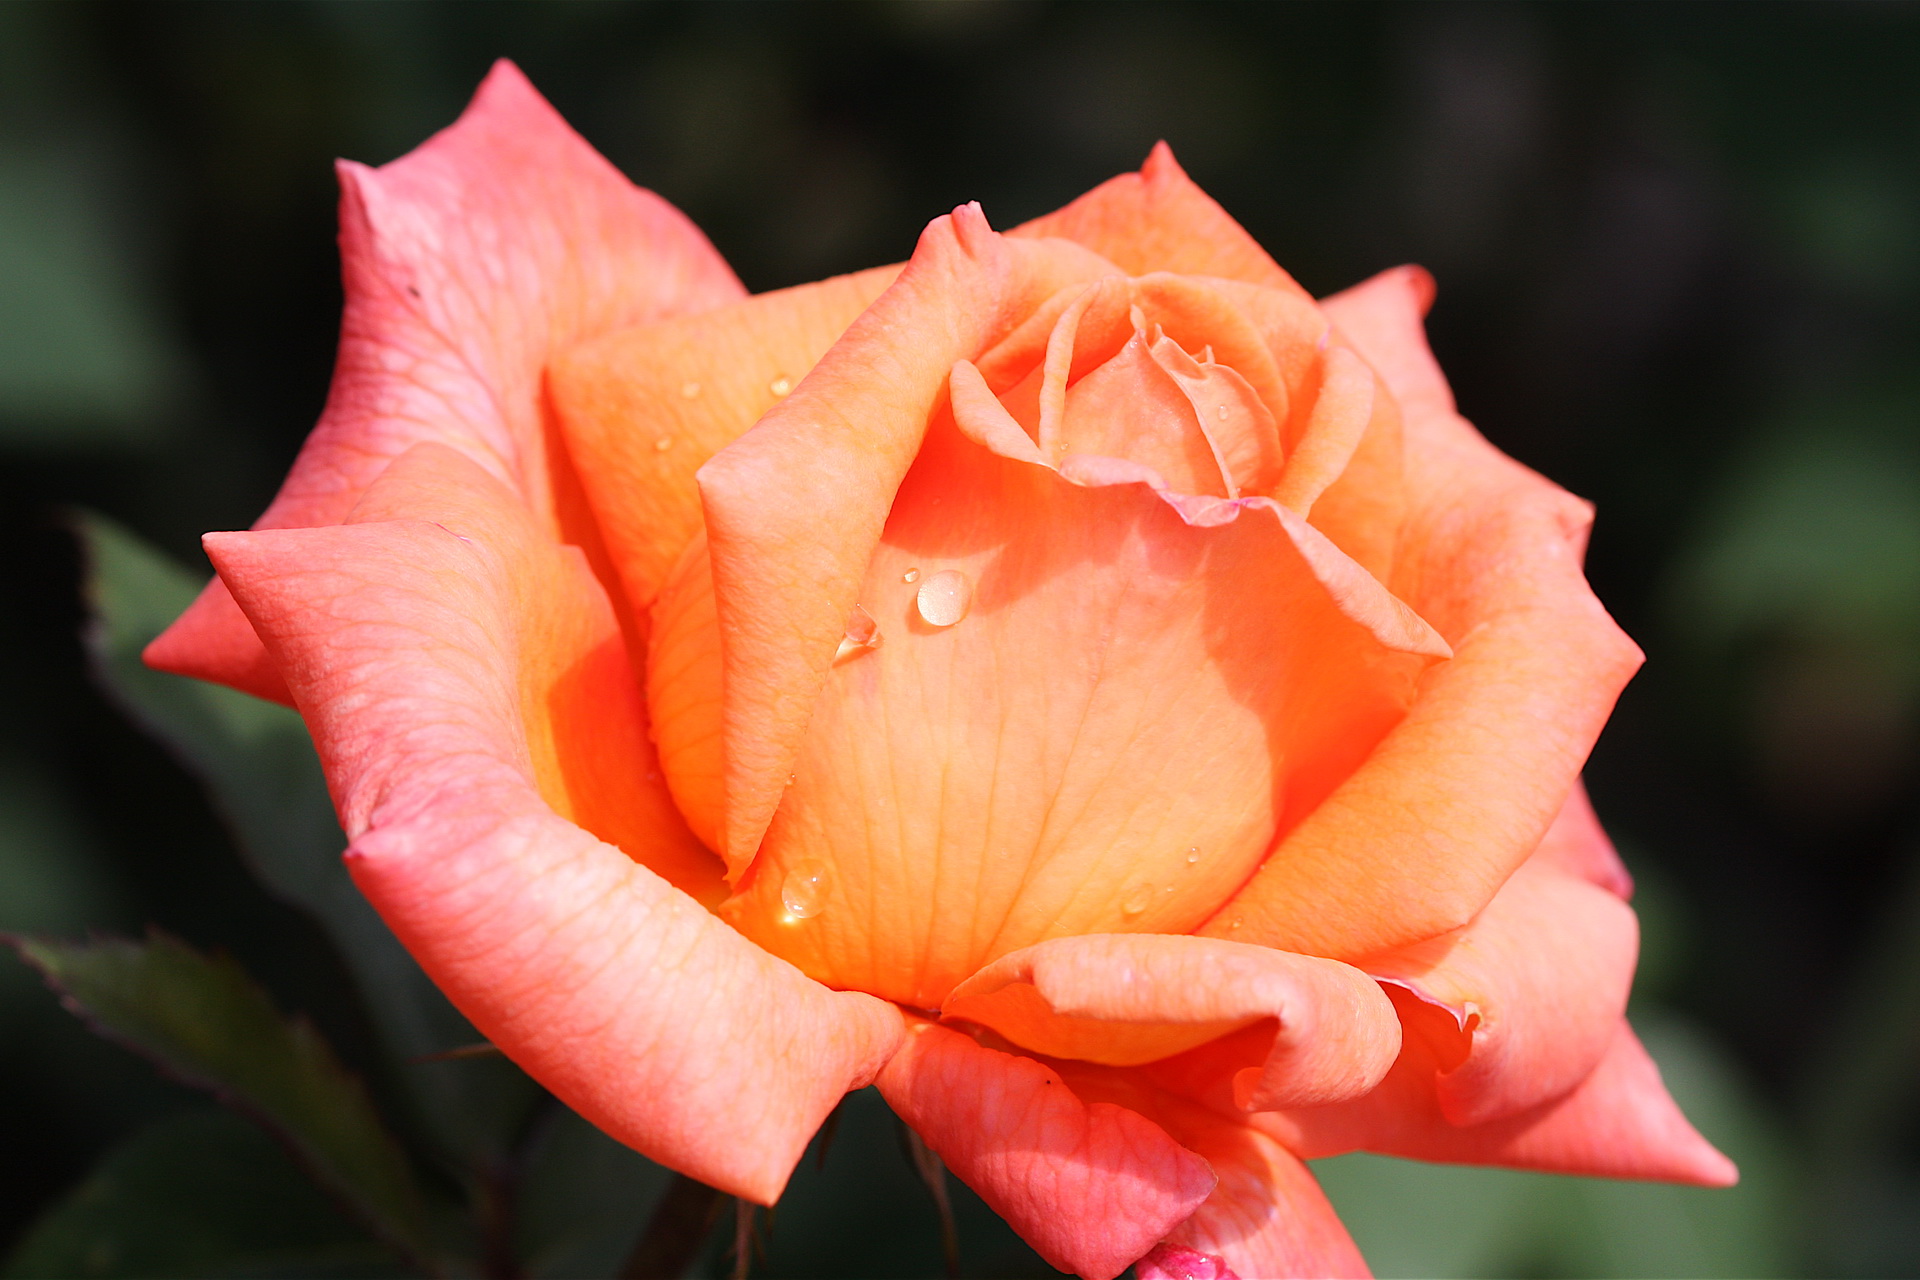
(780, 385)
(1193, 855)
(944, 598)
(1222, 411)
(663, 444)
(862, 636)
(1236, 923)
(1137, 899)
(805, 891)
(691, 390)
(911, 575)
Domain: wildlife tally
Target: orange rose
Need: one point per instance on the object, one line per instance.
(1074, 680)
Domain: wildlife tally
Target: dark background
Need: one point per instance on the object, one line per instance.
(1678, 251)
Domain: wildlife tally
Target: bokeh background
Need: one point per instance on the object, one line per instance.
(1678, 250)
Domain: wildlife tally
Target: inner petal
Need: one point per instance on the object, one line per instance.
(1130, 407)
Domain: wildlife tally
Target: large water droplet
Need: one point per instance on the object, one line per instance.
(1137, 899)
(805, 891)
(944, 598)
(862, 636)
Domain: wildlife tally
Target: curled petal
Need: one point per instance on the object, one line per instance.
(1423, 834)
(405, 646)
(1576, 845)
(1519, 1005)
(1127, 999)
(468, 264)
(1091, 1186)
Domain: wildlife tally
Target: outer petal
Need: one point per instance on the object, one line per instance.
(1125, 999)
(467, 264)
(785, 580)
(1091, 1186)
(1619, 1123)
(1576, 845)
(1420, 837)
(1267, 1219)
(644, 407)
(1158, 220)
(1520, 1005)
(585, 718)
(404, 647)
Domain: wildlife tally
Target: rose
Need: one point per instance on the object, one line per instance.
(1101, 695)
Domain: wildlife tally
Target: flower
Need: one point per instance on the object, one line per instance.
(1075, 681)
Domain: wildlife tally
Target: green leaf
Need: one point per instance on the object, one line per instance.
(205, 1021)
(199, 1193)
(583, 1200)
(259, 766)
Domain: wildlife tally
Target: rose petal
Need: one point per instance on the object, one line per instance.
(408, 647)
(643, 407)
(585, 719)
(1520, 1004)
(1267, 1219)
(1125, 999)
(1158, 220)
(1091, 1186)
(784, 579)
(1619, 1122)
(467, 263)
(1421, 836)
(1106, 742)
(1577, 845)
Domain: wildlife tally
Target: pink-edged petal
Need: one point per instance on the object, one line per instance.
(1423, 834)
(402, 642)
(1159, 220)
(1619, 1122)
(1266, 1220)
(468, 264)
(785, 580)
(1127, 999)
(1091, 1186)
(1519, 1005)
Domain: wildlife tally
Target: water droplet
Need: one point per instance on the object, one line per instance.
(911, 575)
(1193, 855)
(1137, 899)
(780, 385)
(862, 636)
(691, 390)
(1222, 412)
(805, 891)
(1236, 923)
(663, 444)
(944, 598)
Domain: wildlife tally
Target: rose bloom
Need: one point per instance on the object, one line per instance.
(1075, 681)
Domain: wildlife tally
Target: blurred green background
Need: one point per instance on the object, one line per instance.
(1678, 249)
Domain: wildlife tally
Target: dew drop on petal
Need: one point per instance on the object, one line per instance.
(805, 891)
(944, 598)
(1193, 855)
(862, 636)
(691, 390)
(663, 444)
(780, 385)
(1137, 899)
(1222, 411)
(1236, 923)
(911, 575)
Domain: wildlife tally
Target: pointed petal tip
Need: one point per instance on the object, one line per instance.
(1160, 165)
